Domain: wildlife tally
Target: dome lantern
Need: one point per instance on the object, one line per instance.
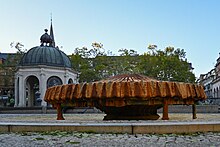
(46, 39)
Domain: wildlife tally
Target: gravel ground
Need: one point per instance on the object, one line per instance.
(63, 139)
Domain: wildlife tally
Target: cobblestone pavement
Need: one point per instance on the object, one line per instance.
(63, 139)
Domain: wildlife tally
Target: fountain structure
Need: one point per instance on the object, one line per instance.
(126, 97)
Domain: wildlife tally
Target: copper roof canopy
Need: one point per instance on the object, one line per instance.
(128, 96)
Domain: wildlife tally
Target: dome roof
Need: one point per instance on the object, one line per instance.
(45, 55)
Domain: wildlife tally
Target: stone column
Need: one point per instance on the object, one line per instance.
(22, 92)
(43, 87)
(66, 77)
(16, 91)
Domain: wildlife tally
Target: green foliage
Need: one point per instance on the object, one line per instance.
(169, 64)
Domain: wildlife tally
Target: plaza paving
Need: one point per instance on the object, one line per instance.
(90, 138)
(97, 118)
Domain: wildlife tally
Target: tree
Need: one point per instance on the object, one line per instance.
(169, 64)
(89, 62)
(8, 67)
(128, 61)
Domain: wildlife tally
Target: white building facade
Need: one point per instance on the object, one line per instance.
(211, 83)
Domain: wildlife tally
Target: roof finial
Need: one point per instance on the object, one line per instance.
(45, 39)
(51, 32)
(51, 17)
(46, 30)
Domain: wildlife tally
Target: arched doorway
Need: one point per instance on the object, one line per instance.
(32, 92)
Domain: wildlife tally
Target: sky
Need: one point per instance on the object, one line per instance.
(192, 25)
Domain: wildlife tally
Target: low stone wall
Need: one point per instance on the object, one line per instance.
(26, 110)
(188, 109)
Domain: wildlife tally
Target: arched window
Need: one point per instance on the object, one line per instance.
(53, 81)
(70, 81)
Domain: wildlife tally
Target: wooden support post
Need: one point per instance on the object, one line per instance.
(165, 109)
(194, 111)
(59, 112)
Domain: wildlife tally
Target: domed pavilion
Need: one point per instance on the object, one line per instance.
(40, 68)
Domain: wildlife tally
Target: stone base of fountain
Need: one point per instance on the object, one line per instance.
(135, 112)
(119, 117)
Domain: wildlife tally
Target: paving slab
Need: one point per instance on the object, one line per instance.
(178, 123)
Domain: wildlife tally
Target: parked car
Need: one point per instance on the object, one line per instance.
(3, 97)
